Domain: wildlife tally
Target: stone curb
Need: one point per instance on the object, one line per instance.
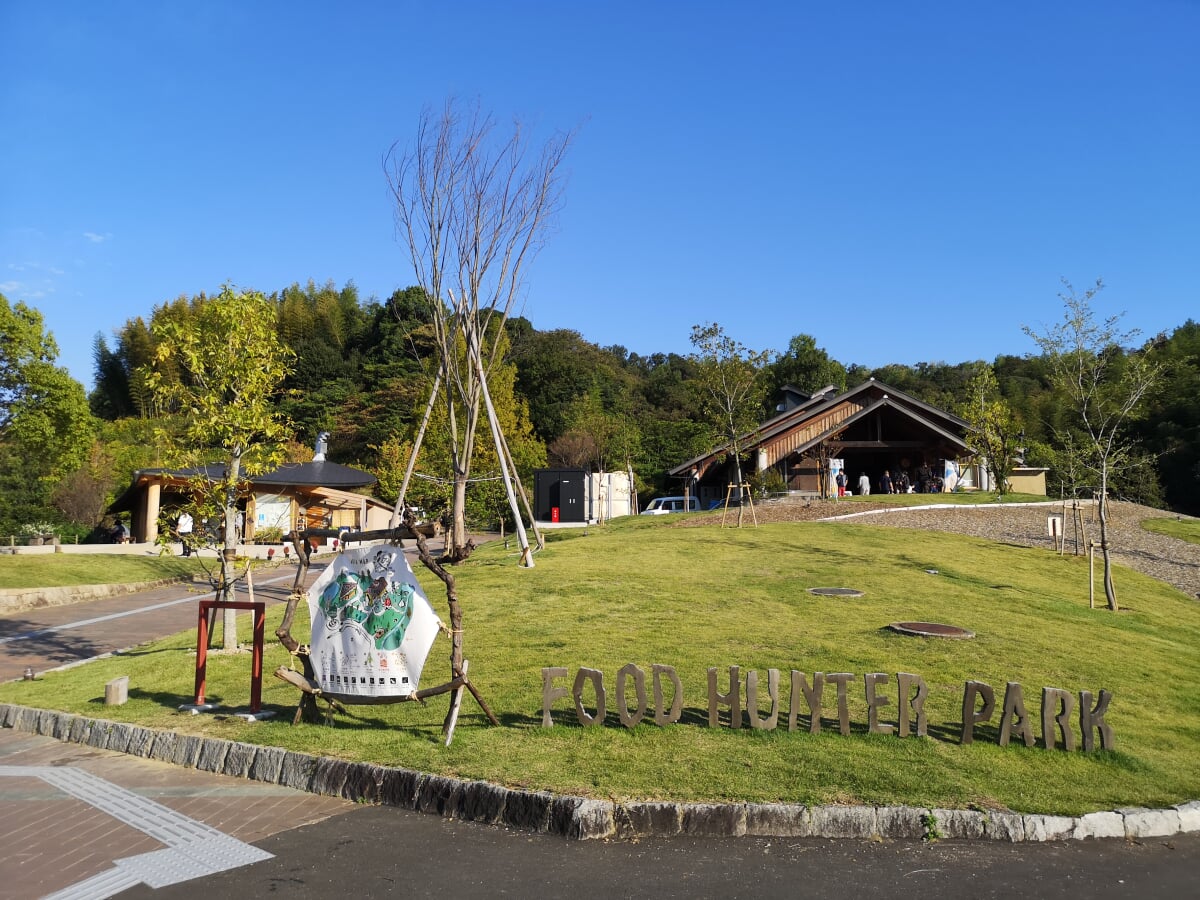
(20, 599)
(579, 818)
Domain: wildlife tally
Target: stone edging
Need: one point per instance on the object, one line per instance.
(20, 599)
(578, 818)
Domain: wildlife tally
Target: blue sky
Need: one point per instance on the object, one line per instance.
(905, 182)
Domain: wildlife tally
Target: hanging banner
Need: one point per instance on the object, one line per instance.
(835, 466)
(371, 625)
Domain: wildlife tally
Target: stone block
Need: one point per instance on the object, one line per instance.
(844, 821)
(400, 788)
(239, 758)
(329, 777)
(647, 819)
(98, 736)
(713, 819)
(46, 720)
(163, 747)
(24, 719)
(140, 741)
(1099, 825)
(960, 824)
(901, 822)
(1048, 828)
(527, 809)
(118, 737)
(1002, 825)
(298, 770)
(116, 692)
(268, 762)
(62, 728)
(439, 795)
(1189, 816)
(81, 729)
(778, 820)
(212, 755)
(482, 802)
(364, 783)
(1144, 823)
(7, 713)
(591, 820)
(187, 750)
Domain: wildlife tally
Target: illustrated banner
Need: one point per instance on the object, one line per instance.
(371, 624)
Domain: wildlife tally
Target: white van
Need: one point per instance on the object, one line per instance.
(662, 505)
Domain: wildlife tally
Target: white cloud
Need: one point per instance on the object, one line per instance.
(9, 287)
(97, 238)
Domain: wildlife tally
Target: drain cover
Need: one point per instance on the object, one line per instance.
(835, 592)
(931, 629)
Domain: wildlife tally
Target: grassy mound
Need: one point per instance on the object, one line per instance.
(645, 592)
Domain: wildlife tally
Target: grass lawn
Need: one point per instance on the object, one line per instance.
(1183, 529)
(63, 569)
(645, 592)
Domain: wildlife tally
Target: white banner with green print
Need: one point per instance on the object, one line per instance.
(372, 627)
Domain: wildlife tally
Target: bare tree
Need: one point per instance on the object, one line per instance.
(473, 209)
(1106, 385)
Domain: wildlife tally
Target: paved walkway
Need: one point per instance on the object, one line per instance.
(91, 822)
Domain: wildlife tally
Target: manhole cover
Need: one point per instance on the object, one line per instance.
(835, 592)
(931, 629)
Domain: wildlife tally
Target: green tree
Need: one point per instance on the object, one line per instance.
(730, 388)
(805, 366)
(1105, 387)
(224, 363)
(1170, 427)
(994, 426)
(46, 427)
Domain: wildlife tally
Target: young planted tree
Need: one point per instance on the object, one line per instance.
(226, 363)
(1105, 385)
(730, 387)
(473, 208)
(994, 426)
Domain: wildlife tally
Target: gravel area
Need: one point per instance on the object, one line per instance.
(1167, 559)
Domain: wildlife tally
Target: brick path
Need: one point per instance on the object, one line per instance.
(53, 841)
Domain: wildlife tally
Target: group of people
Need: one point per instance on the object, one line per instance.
(926, 482)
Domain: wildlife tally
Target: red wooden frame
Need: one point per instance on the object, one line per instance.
(256, 656)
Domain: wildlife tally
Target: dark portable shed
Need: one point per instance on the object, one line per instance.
(564, 489)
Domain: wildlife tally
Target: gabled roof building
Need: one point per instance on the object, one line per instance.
(870, 429)
(318, 494)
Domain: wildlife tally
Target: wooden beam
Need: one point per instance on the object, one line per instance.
(878, 445)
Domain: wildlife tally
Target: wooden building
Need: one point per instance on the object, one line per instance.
(871, 429)
(316, 494)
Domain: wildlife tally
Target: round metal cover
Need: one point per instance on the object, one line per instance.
(931, 629)
(835, 592)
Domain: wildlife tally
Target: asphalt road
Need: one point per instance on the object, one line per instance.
(382, 852)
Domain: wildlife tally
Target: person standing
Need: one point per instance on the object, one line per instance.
(885, 483)
(184, 528)
(864, 485)
(841, 482)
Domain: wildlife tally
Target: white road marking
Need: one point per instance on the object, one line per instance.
(83, 623)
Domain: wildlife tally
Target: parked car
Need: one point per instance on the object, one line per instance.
(660, 506)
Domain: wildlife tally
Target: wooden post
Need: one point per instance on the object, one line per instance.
(1091, 576)
(455, 705)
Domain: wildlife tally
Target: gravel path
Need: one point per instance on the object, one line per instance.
(1167, 559)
